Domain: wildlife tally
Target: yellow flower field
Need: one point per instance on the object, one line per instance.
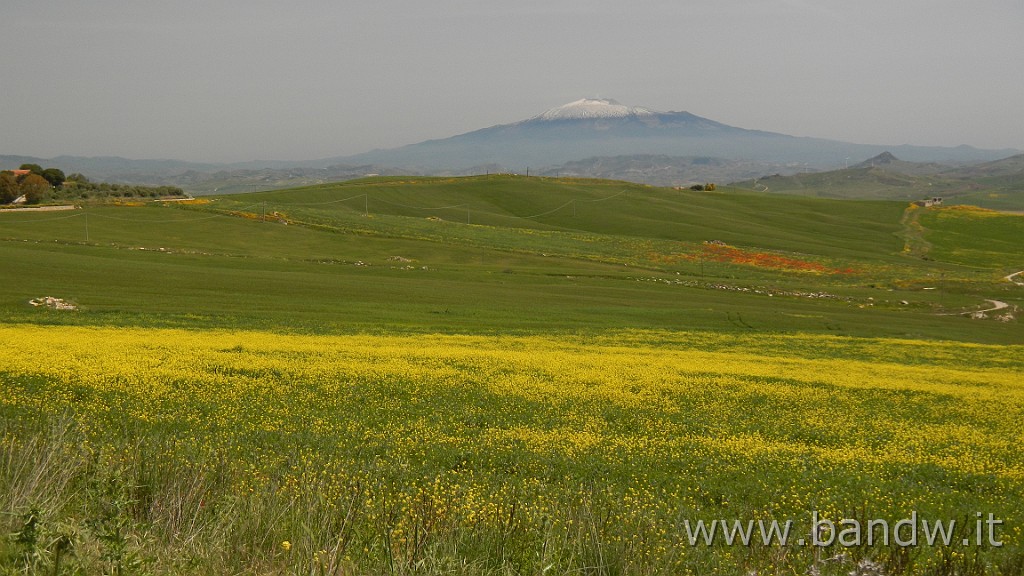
(288, 453)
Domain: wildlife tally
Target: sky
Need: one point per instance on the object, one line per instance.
(241, 80)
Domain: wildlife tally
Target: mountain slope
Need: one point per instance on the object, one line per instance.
(591, 128)
(662, 170)
(1012, 166)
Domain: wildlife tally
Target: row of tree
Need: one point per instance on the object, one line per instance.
(85, 189)
(33, 183)
(709, 187)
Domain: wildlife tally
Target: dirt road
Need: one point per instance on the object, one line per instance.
(38, 209)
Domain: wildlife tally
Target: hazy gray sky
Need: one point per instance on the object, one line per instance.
(229, 80)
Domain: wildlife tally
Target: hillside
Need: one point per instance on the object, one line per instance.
(1006, 167)
(663, 170)
(471, 254)
(996, 185)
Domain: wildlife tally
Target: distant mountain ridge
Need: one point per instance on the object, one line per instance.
(588, 137)
(998, 184)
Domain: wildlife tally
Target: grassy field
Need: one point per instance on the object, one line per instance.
(506, 375)
(601, 255)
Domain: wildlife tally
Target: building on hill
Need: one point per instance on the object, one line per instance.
(928, 202)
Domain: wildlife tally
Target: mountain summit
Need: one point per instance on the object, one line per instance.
(883, 159)
(592, 108)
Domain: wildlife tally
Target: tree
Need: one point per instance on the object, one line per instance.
(54, 176)
(34, 168)
(9, 189)
(34, 187)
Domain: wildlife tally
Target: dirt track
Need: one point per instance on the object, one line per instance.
(39, 209)
(996, 305)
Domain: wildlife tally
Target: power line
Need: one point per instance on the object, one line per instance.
(606, 198)
(463, 205)
(278, 202)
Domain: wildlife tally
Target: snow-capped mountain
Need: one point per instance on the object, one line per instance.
(590, 128)
(592, 108)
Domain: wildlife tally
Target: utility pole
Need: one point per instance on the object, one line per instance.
(942, 289)
(86, 226)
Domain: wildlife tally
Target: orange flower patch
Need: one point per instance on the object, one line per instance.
(720, 252)
(734, 255)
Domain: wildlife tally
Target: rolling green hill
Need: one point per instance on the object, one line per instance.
(490, 253)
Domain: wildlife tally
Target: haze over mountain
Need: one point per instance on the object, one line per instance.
(588, 137)
(601, 127)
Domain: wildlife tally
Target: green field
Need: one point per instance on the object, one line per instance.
(504, 375)
(536, 254)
